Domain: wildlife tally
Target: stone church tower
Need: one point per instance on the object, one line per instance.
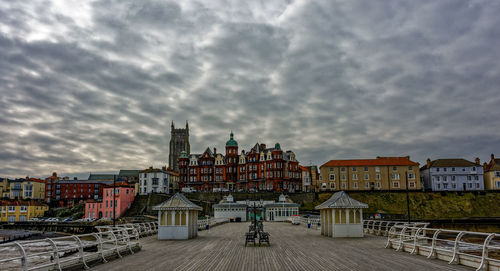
(179, 141)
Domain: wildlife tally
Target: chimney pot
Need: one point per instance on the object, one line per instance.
(478, 161)
(428, 163)
(492, 156)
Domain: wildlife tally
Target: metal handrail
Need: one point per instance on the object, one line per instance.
(69, 251)
(467, 248)
(382, 227)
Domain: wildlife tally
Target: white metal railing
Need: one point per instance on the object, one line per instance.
(203, 222)
(473, 249)
(382, 227)
(73, 250)
(314, 220)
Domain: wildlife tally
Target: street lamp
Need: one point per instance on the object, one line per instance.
(407, 196)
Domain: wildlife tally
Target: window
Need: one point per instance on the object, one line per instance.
(332, 185)
(394, 168)
(377, 176)
(453, 169)
(12, 209)
(445, 178)
(367, 176)
(473, 169)
(454, 185)
(470, 185)
(343, 185)
(395, 176)
(342, 169)
(411, 176)
(332, 177)
(445, 186)
(438, 178)
(410, 167)
(378, 185)
(444, 169)
(367, 185)
(354, 169)
(437, 169)
(477, 185)
(366, 168)
(497, 184)
(411, 184)
(395, 184)
(377, 169)
(23, 209)
(497, 173)
(342, 177)
(476, 178)
(331, 169)
(453, 178)
(354, 176)
(355, 185)
(438, 186)
(469, 178)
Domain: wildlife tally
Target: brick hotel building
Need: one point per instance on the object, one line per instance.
(261, 168)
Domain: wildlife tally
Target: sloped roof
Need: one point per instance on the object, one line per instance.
(101, 177)
(129, 172)
(379, 161)
(493, 165)
(341, 200)
(451, 162)
(177, 202)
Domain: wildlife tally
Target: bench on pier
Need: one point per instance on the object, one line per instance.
(250, 237)
(264, 238)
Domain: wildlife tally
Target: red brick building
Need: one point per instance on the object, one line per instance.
(68, 192)
(261, 168)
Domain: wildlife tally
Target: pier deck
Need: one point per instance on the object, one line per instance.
(292, 248)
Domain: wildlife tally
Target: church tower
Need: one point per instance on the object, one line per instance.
(179, 141)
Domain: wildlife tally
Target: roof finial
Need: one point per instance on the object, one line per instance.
(172, 126)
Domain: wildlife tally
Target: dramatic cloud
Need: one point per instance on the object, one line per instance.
(93, 86)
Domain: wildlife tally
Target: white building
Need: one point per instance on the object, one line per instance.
(177, 218)
(341, 216)
(228, 209)
(154, 180)
(281, 210)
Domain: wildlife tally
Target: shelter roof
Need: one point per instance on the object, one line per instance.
(177, 202)
(341, 200)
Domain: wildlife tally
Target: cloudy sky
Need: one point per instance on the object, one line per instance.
(93, 86)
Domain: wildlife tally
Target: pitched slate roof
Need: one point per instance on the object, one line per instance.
(177, 202)
(451, 162)
(101, 177)
(379, 161)
(341, 200)
(493, 165)
(129, 172)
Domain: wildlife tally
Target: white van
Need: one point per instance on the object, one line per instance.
(188, 190)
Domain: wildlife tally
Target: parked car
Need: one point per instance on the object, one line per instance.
(69, 219)
(52, 219)
(34, 219)
(188, 190)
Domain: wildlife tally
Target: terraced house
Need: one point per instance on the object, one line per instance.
(16, 210)
(382, 173)
(261, 168)
(453, 174)
(492, 174)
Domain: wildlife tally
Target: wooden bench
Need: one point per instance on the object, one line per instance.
(264, 238)
(250, 238)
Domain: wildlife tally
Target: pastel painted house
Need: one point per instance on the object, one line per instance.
(118, 203)
(453, 174)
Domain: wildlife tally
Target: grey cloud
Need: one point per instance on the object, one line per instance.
(327, 79)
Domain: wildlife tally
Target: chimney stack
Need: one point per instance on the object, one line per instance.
(478, 161)
(215, 151)
(428, 163)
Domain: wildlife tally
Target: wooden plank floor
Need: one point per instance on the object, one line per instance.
(292, 248)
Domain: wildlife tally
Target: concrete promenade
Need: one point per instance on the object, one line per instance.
(292, 248)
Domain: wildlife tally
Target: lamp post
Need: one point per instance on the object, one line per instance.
(407, 196)
(114, 200)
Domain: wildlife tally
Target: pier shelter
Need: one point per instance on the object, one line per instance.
(281, 210)
(341, 216)
(177, 218)
(228, 209)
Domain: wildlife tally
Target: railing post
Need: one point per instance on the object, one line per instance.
(433, 246)
(415, 239)
(389, 234)
(100, 248)
(456, 248)
(24, 260)
(56, 252)
(116, 244)
(484, 255)
(125, 231)
(80, 249)
(403, 231)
